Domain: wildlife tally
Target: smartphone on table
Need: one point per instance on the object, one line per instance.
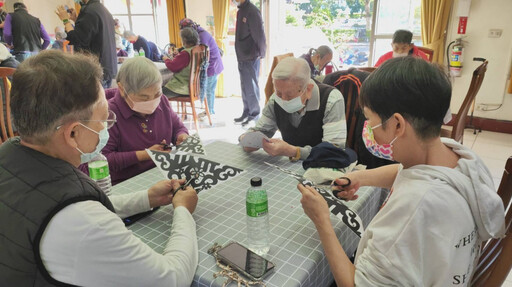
(243, 260)
(132, 219)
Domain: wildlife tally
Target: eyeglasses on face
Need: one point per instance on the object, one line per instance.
(108, 123)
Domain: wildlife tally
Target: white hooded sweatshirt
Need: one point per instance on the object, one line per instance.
(429, 231)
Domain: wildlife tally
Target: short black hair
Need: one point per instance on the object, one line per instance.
(19, 5)
(53, 88)
(418, 90)
(402, 37)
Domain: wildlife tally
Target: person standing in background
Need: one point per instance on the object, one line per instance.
(3, 14)
(93, 32)
(24, 32)
(250, 46)
(215, 66)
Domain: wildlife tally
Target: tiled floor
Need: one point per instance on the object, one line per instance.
(493, 148)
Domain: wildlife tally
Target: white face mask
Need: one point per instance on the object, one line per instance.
(291, 106)
(398, 55)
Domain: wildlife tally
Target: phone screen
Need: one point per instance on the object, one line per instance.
(245, 260)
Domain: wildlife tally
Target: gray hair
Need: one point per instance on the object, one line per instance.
(59, 35)
(322, 51)
(138, 73)
(293, 69)
(53, 88)
(189, 36)
(128, 34)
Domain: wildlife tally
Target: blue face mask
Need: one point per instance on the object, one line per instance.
(103, 139)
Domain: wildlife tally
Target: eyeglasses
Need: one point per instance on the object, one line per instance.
(109, 122)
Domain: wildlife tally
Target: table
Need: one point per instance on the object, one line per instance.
(162, 68)
(220, 217)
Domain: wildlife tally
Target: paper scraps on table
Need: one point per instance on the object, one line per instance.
(253, 139)
(336, 206)
(179, 165)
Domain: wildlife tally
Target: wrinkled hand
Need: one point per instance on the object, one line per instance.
(61, 12)
(161, 193)
(275, 147)
(348, 192)
(314, 205)
(187, 198)
(181, 138)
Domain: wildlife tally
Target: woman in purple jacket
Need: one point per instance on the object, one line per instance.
(145, 120)
(215, 67)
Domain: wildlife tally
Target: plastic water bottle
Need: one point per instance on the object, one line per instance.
(98, 171)
(257, 218)
(142, 53)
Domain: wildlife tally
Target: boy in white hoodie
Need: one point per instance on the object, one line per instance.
(442, 201)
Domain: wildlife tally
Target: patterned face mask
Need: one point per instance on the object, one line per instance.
(379, 150)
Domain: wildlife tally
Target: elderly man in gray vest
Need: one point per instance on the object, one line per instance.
(57, 224)
(304, 111)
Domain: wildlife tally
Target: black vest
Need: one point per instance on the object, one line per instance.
(26, 31)
(310, 130)
(33, 188)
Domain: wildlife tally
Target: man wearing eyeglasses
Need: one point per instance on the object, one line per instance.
(57, 225)
(305, 112)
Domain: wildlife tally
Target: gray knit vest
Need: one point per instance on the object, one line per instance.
(33, 188)
(310, 130)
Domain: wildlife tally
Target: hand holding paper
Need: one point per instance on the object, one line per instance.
(253, 139)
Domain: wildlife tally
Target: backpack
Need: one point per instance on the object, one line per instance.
(349, 83)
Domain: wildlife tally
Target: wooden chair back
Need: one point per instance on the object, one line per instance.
(269, 86)
(459, 122)
(199, 55)
(429, 52)
(496, 258)
(5, 101)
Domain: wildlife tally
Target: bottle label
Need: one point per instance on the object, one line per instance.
(257, 204)
(98, 169)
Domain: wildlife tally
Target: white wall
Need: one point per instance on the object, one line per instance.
(485, 15)
(199, 10)
(44, 10)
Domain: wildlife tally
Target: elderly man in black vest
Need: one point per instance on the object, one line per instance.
(304, 111)
(57, 224)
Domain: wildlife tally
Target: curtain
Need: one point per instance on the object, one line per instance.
(220, 19)
(175, 12)
(77, 8)
(509, 90)
(434, 20)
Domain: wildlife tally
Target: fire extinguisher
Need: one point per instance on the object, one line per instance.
(455, 59)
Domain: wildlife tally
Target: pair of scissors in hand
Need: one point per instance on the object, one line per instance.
(298, 177)
(184, 186)
(334, 183)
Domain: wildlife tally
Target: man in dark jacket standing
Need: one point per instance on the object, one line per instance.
(93, 32)
(250, 46)
(24, 32)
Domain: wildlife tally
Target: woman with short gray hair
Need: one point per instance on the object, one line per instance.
(178, 85)
(145, 120)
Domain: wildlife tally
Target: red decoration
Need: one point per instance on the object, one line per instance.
(463, 21)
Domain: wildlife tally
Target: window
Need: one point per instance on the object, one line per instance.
(392, 15)
(146, 18)
(344, 25)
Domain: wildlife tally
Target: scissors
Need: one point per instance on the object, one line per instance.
(334, 183)
(166, 146)
(183, 186)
